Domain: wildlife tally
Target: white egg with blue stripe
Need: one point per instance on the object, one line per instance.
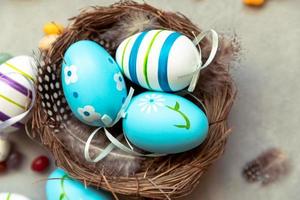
(159, 60)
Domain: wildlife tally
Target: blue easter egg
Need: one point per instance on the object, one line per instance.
(164, 123)
(61, 186)
(92, 83)
(159, 60)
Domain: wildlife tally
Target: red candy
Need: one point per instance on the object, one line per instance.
(40, 164)
(3, 167)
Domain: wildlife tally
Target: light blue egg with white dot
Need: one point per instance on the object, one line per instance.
(61, 186)
(164, 123)
(92, 83)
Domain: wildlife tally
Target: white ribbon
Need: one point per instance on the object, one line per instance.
(114, 141)
(122, 112)
(19, 117)
(214, 49)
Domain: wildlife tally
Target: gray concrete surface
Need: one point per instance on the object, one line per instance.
(266, 112)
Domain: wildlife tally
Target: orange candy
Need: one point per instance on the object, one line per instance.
(53, 28)
(254, 2)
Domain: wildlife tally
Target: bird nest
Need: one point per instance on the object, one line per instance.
(166, 177)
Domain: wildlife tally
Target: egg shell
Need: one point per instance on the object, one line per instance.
(159, 60)
(60, 184)
(15, 89)
(5, 147)
(164, 123)
(92, 83)
(12, 196)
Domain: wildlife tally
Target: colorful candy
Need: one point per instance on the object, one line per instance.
(5, 147)
(14, 160)
(53, 28)
(254, 2)
(40, 164)
(3, 167)
(47, 41)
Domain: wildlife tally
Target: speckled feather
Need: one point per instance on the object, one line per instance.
(267, 168)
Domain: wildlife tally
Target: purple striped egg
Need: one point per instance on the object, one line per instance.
(15, 88)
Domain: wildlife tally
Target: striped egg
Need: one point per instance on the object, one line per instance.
(12, 196)
(15, 90)
(159, 60)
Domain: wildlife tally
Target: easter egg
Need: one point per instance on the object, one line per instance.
(15, 88)
(61, 186)
(4, 57)
(92, 83)
(159, 60)
(5, 147)
(53, 28)
(12, 196)
(164, 123)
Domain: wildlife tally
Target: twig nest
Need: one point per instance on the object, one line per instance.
(122, 173)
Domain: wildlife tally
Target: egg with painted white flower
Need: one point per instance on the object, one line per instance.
(17, 76)
(92, 83)
(159, 60)
(164, 123)
(61, 186)
(12, 196)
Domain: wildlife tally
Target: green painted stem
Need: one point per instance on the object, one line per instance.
(184, 116)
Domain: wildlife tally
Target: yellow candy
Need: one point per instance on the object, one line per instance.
(47, 41)
(53, 28)
(254, 2)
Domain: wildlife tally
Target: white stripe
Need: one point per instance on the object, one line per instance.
(14, 75)
(119, 53)
(9, 109)
(153, 60)
(127, 55)
(13, 94)
(141, 57)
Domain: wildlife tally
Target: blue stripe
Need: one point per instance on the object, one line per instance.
(133, 57)
(163, 62)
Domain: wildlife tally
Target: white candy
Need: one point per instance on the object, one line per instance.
(4, 150)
